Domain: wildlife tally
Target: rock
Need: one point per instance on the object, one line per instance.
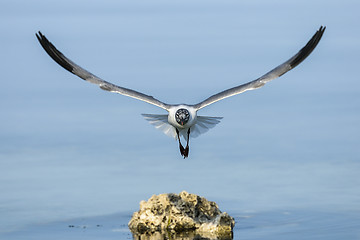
(181, 213)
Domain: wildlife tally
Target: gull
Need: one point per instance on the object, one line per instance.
(181, 120)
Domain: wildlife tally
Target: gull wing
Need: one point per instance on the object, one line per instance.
(72, 67)
(275, 73)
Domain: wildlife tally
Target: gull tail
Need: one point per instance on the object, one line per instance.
(160, 122)
(202, 125)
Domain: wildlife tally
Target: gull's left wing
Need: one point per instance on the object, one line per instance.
(275, 73)
(72, 67)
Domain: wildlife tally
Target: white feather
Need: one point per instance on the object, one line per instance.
(160, 122)
(202, 125)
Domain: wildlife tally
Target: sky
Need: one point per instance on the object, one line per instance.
(69, 149)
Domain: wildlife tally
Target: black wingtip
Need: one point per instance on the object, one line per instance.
(55, 54)
(309, 47)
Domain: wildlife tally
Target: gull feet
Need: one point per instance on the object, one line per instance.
(183, 151)
(186, 152)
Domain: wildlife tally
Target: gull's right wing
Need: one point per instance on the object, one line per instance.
(275, 73)
(72, 67)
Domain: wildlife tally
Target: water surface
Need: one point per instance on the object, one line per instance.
(284, 161)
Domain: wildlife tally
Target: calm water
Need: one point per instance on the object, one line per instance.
(284, 161)
(297, 224)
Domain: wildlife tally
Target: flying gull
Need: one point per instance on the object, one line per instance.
(181, 119)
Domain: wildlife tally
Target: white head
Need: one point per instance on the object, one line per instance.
(182, 116)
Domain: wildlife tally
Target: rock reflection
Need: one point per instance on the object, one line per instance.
(190, 235)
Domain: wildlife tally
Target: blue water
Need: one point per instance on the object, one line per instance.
(297, 224)
(284, 161)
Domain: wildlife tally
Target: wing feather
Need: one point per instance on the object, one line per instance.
(72, 67)
(275, 73)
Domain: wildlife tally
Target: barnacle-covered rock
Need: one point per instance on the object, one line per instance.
(178, 213)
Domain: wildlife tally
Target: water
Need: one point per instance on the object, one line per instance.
(297, 224)
(269, 200)
(284, 161)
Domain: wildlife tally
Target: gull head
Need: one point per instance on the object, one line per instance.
(182, 116)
